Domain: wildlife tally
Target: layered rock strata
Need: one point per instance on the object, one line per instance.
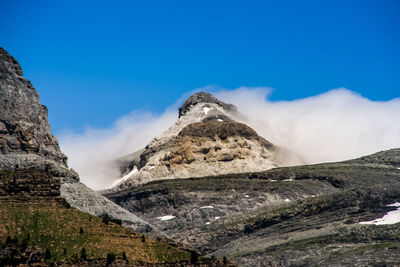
(205, 140)
(31, 162)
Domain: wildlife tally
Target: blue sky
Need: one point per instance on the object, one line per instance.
(95, 61)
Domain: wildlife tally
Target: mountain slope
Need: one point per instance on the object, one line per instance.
(205, 140)
(305, 215)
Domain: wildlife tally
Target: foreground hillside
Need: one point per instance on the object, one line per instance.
(39, 227)
(305, 215)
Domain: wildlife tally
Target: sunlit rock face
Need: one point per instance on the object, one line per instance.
(31, 162)
(25, 136)
(205, 140)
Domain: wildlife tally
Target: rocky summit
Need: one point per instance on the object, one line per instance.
(205, 140)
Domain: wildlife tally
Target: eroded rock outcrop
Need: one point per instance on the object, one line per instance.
(26, 141)
(206, 140)
(31, 162)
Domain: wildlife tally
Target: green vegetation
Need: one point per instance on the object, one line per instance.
(53, 228)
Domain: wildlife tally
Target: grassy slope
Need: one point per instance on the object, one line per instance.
(51, 225)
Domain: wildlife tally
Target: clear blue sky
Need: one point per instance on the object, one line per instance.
(94, 61)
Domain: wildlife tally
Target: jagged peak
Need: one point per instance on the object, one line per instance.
(8, 64)
(203, 97)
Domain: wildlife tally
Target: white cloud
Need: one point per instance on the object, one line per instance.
(92, 152)
(336, 125)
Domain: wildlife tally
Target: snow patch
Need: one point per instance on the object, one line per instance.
(217, 217)
(125, 177)
(166, 217)
(220, 120)
(207, 223)
(152, 167)
(288, 180)
(390, 217)
(246, 196)
(287, 200)
(207, 207)
(272, 180)
(206, 110)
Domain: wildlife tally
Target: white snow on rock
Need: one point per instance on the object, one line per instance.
(152, 167)
(206, 110)
(207, 207)
(220, 120)
(217, 217)
(246, 196)
(207, 222)
(287, 200)
(166, 217)
(125, 177)
(288, 180)
(390, 217)
(272, 180)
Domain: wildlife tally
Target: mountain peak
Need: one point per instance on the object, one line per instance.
(203, 97)
(205, 140)
(8, 64)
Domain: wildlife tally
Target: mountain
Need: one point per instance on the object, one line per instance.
(46, 212)
(293, 216)
(26, 142)
(205, 140)
(25, 137)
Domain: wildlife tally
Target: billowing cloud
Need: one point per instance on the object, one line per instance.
(91, 153)
(336, 125)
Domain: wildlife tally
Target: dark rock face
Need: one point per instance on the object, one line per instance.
(28, 182)
(204, 98)
(223, 130)
(25, 136)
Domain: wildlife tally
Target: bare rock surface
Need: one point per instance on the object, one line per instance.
(204, 141)
(25, 136)
(31, 162)
(293, 216)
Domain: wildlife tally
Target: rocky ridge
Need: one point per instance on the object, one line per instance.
(25, 137)
(293, 216)
(205, 140)
(31, 162)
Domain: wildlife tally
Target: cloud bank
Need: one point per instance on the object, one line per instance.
(333, 126)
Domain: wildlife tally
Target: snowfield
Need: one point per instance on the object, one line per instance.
(166, 217)
(390, 217)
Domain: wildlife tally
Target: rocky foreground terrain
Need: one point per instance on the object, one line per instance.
(294, 216)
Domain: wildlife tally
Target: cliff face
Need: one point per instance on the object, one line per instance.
(31, 162)
(25, 136)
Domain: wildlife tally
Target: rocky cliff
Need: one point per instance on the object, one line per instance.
(206, 140)
(26, 141)
(31, 162)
